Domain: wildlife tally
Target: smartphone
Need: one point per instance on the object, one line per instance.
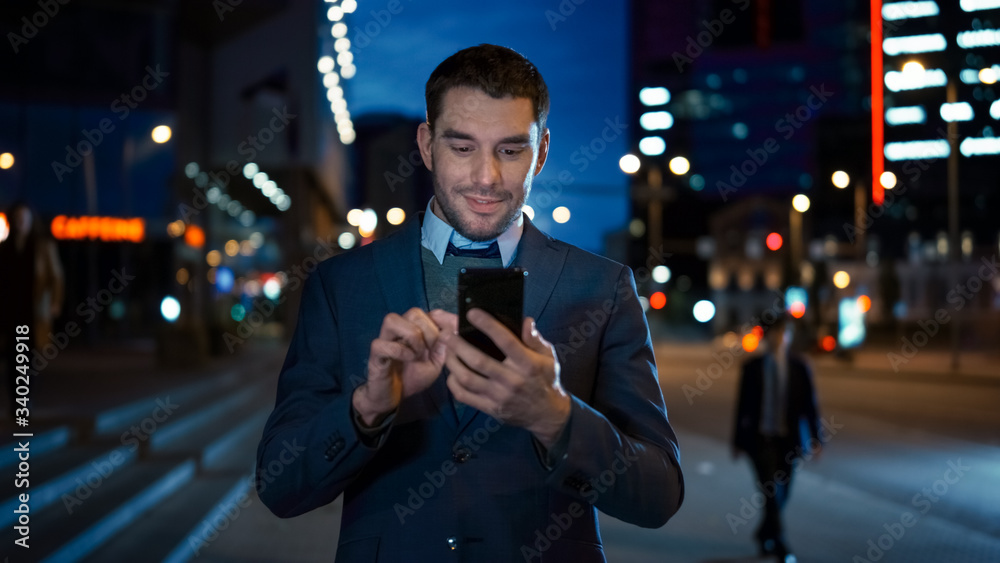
(499, 292)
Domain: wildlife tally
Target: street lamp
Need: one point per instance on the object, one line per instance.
(653, 193)
(800, 204)
(841, 180)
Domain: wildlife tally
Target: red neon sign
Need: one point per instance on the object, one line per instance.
(878, 104)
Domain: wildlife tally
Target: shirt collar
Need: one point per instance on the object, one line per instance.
(435, 235)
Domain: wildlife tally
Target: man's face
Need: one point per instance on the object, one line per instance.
(483, 154)
(23, 220)
(779, 338)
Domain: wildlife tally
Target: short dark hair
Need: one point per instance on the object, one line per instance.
(781, 320)
(497, 71)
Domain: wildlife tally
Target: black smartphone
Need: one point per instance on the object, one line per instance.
(499, 292)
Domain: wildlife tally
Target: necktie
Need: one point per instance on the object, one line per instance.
(492, 251)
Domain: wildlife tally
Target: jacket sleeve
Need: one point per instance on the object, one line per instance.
(311, 450)
(741, 420)
(810, 410)
(622, 454)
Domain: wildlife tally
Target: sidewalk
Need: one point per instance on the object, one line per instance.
(923, 362)
(826, 521)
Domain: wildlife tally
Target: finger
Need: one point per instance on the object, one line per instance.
(506, 340)
(383, 352)
(397, 328)
(446, 322)
(533, 339)
(469, 380)
(428, 329)
(479, 402)
(473, 358)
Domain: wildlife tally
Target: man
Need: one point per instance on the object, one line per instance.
(443, 453)
(777, 424)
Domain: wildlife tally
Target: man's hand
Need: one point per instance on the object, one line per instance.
(405, 359)
(523, 390)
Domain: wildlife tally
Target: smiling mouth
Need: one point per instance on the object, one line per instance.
(481, 205)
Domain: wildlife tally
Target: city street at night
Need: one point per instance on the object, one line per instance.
(381, 280)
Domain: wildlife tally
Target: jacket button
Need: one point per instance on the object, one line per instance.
(461, 455)
(453, 543)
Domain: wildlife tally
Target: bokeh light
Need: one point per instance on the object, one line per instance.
(629, 164)
(841, 279)
(704, 311)
(170, 308)
(161, 134)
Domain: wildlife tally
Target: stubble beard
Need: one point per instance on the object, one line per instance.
(465, 228)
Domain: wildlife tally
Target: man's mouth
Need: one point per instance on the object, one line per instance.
(482, 205)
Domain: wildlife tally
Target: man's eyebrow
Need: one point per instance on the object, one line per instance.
(453, 134)
(515, 140)
(511, 140)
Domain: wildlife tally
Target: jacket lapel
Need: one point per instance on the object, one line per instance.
(400, 273)
(544, 260)
(399, 269)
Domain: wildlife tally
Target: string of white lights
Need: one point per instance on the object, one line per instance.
(340, 67)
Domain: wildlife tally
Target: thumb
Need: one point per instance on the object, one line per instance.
(532, 338)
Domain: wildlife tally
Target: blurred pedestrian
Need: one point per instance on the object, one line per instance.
(777, 426)
(32, 286)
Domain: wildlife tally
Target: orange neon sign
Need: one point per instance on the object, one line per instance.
(106, 229)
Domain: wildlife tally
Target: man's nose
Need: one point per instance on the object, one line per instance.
(486, 171)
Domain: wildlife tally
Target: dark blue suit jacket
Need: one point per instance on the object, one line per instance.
(801, 412)
(440, 488)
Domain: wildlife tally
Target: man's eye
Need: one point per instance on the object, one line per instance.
(511, 152)
(461, 149)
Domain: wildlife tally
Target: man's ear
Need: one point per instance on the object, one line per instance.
(543, 151)
(425, 138)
